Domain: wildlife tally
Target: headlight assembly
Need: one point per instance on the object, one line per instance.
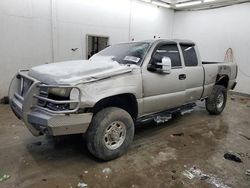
(62, 92)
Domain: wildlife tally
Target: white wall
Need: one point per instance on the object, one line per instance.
(215, 31)
(121, 20)
(148, 21)
(28, 38)
(25, 38)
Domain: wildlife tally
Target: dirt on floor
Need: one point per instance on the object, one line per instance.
(187, 152)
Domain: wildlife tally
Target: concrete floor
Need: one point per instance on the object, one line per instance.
(155, 159)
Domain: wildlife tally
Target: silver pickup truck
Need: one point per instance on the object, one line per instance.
(124, 84)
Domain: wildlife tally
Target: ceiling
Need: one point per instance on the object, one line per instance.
(203, 5)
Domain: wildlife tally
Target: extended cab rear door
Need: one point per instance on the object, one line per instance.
(163, 91)
(194, 72)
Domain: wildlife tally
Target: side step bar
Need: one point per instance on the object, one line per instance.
(164, 116)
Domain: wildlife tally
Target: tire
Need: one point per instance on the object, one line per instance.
(216, 102)
(110, 125)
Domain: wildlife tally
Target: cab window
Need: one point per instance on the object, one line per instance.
(171, 51)
(189, 54)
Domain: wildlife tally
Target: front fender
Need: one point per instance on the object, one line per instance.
(95, 91)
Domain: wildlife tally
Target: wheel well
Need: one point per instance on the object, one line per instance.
(222, 80)
(126, 102)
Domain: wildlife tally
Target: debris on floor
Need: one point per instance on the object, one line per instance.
(173, 177)
(233, 98)
(4, 177)
(247, 172)
(233, 157)
(81, 176)
(82, 184)
(194, 172)
(178, 134)
(107, 170)
(173, 171)
(188, 174)
(243, 154)
(204, 177)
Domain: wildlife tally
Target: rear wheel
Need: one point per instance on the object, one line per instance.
(216, 102)
(110, 133)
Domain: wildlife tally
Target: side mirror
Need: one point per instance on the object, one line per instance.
(163, 67)
(166, 65)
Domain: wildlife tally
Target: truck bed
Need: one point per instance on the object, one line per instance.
(213, 69)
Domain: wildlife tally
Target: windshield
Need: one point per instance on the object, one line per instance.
(126, 53)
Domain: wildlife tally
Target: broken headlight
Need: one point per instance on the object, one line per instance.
(62, 92)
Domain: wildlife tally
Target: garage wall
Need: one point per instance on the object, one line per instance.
(25, 37)
(34, 32)
(215, 31)
(121, 20)
(148, 21)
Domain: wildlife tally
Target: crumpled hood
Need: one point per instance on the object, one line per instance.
(73, 72)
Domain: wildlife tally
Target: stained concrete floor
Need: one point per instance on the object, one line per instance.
(155, 159)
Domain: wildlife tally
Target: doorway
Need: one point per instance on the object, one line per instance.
(95, 44)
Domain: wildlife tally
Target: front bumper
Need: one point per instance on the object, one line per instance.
(40, 120)
(59, 124)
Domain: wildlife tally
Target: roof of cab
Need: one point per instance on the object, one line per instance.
(152, 41)
(168, 40)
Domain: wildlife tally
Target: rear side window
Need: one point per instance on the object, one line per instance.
(189, 54)
(171, 51)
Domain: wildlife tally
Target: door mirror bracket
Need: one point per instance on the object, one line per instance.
(163, 67)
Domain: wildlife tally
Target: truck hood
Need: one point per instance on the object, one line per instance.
(82, 71)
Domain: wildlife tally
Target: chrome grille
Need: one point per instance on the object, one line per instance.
(43, 93)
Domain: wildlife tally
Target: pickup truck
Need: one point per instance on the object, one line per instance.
(122, 85)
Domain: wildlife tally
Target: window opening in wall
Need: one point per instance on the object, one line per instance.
(95, 44)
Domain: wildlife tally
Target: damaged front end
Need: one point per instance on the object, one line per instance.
(47, 109)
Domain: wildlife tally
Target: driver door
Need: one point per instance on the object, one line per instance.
(163, 91)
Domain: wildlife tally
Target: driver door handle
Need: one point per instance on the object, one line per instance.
(182, 77)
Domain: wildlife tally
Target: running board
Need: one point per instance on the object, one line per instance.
(164, 116)
(187, 111)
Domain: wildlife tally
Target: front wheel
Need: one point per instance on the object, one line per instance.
(216, 102)
(110, 133)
